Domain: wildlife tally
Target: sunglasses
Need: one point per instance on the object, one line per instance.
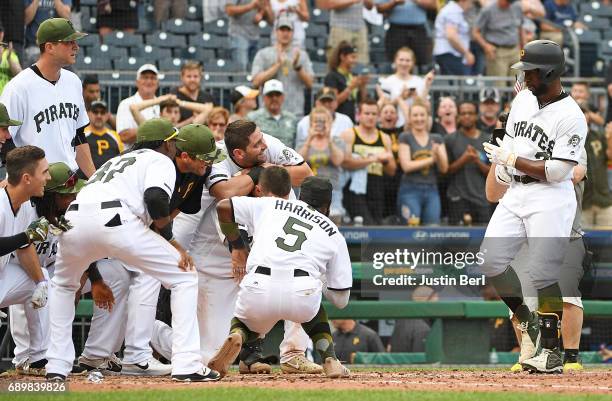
(69, 183)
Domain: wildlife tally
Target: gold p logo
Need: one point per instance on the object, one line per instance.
(522, 53)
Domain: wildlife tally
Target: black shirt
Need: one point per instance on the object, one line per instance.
(338, 81)
(484, 128)
(187, 195)
(361, 339)
(12, 18)
(203, 97)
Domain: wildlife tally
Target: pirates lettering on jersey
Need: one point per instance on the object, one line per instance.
(306, 213)
(42, 248)
(535, 133)
(56, 112)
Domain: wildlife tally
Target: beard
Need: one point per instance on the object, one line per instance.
(540, 90)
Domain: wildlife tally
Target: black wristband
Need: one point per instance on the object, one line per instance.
(254, 173)
(93, 273)
(166, 232)
(238, 243)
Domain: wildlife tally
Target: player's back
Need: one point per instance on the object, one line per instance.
(127, 176)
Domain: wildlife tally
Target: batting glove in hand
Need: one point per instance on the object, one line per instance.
(2, 315)
(37, 230)
(62, 226)
(502, 176)
(499, 155)
(39, 297)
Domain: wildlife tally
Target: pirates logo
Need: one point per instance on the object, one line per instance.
(574, 141)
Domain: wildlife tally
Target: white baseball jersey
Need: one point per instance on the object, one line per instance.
(289, 234)
(51, 113)
(13, 223)
(126, 177)
(558, 129)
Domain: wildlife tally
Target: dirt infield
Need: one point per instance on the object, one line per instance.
(596, 381)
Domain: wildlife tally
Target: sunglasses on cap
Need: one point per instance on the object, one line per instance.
(69, 183)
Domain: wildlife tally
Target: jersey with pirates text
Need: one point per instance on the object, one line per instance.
(289, 234)
(127, 177)
(51, 113)
(555, 131)
(13, 223)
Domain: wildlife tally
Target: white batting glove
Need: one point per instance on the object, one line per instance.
(502, 176)
(499, 155)
(39, 296)
(2, 315)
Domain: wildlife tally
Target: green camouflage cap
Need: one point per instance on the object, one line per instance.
(63, 180)
(5, 120)
(156, 129)
(57, 30)
(198, 141)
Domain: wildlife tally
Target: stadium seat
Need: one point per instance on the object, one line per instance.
(218, 27)
(316, 31)
(595, 8)
(588, 36)
(146, 25)
(264, 42)
(182, 26)
(90, 40)
(595, 22)
(199, 54)
(150, 53)
(606, 47)
(106, 51)
(128, 64)
(122, 39)
(319, 16)
(92, 3)
(208, 41)
(170, 64)
(319, 68)
(194, 12)
(221, 65)
(265, 29)
(164, 39)
(88, 23)
(91, 63)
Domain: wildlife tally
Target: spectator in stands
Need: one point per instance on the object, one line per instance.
(558, 12)
(217, 121)
(422, 157)
(488, 110)
(369, 157)
(244, 17)
(169, 108)
(498, 32)
(191, 89)
(272, 119)
(9, 62)
(402, 86)
(146, 84)
(117, 15)
(297, 12)
(324, 154)
(408, 28)
(609, 92)
(468, 169)
(166, 9)
(91, 89)
(36, 11)
(350, 88)
(244, 100)
(104, 142)
(452, 39)
(410, 335)
(326, 98)
(529, 29)
(287, 63)
(387, 123)
(12, 18)
(347, 25)
(351, 337)
(447, 117)
(581, 92)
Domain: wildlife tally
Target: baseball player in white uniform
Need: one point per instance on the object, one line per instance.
(295, 246)
(545, 135)
(49, 99)
(111, 217)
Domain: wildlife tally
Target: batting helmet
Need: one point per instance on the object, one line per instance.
(544, 55)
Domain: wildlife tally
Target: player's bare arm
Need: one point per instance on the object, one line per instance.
(298, 173)
(494, 190)
(239, 185)
(225, 212)
(84, 160)
(28, 260)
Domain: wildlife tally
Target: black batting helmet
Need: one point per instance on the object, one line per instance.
(544, 55)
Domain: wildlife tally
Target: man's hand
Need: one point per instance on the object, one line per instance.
(499, 155)
(102, 295)
(489, 50)
(62, 226)
(239, 258)
(469, 58)
(296, 59)
(37, 230)
(39, 296)
(186, 262)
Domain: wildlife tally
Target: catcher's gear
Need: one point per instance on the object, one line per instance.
(39, 296)
(37, 230)
(545, 56)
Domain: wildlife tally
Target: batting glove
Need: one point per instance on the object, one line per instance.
(499, 155)
(502, 176)
(2, 315)
(37, 230)
(39, 296)
(62, 226)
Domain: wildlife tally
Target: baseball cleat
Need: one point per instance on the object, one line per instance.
(256, 368)
(517, 367)
(32, 369)
(299, 364)
(205, 375)
(334, 369)
(150, 368)
(530, 337)
(78, 370)
(55, 377)
(251, 359)
(110, 365)
(227, 354)
(547, 361)
(3, 372)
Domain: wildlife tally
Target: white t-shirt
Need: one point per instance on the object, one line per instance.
(13, 224)
(126, 178)
(341, 123)
(289, 234)
(125, 119)
(51, 113)
(393, 86)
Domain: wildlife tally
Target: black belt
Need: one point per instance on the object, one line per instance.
(524, 179)
(103, 205)
(504, 46)
(266, 271)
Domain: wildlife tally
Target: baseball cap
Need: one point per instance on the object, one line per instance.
(98, 104)
(241, 92)
(273, 85)
(198, 141)
(284, 21)
(156, 129)
(316, 191)
(5, 120)
(326, 93)
(57, 30)
(489, 94)
(145, 68)
(63, 180)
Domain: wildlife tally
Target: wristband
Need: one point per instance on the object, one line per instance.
(229, 229)
(254, 173)
(238, 243)
(298, 68)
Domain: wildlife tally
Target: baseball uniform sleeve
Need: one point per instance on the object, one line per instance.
(280, 154)
(219, 172)
(125, 120)
(160, 173)
(339, 269)
(571, 134)
(243, 207)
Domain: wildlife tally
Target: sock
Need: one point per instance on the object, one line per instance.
(320, 333)
(571, 356)
(508, 286)
(522, 313)
(241, 328)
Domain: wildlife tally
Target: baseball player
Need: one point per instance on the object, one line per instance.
(294, 246)
(111, 217)
(545, 135)
(5, 122)
(49, 99)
